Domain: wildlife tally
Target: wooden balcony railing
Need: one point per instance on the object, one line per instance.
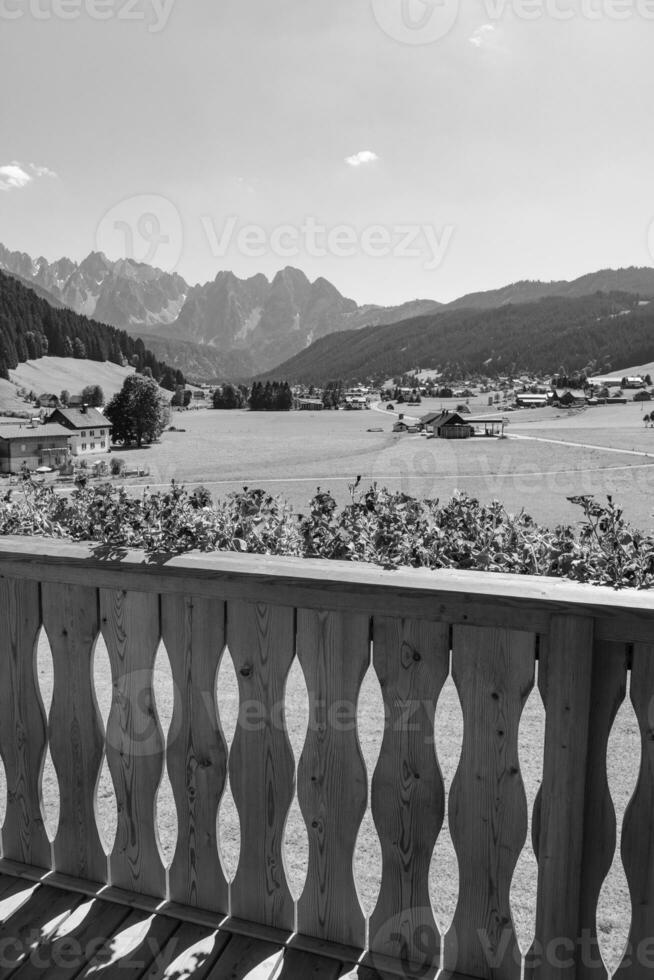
(337, 619)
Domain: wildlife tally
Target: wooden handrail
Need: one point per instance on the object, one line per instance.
(473, 598)
(414, 627)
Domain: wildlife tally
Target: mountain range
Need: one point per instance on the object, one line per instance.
(598, 332)
(123, 294)
(236, 329)
(637, 281)
(252, 323)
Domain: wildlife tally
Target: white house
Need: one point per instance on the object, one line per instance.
(90, 431)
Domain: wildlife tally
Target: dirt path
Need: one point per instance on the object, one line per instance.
(582, 445)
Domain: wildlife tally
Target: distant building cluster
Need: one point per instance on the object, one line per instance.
(335, 396)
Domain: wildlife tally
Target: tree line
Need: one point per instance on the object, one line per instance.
(274, 396)
(30, 328)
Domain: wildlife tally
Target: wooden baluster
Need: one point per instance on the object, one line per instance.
(334, 651)
(194, 635)
(565, 682)
(135, 745)
(261, 767)
(494, 674)
(22, 725)
(70, 618)
(638, 828)
(408, 796)
(608, 692)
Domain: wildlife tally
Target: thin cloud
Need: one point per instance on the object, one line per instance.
(42, 171)
(361, 158)
(14, 176)
(481, 35)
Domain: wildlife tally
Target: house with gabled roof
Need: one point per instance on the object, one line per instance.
(90, 430)
(32, 446)
(447, 425)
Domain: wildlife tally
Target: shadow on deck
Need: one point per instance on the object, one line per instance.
(51, 932)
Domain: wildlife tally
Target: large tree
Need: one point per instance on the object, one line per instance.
(138, 412)
(229, 397)
(93, 395)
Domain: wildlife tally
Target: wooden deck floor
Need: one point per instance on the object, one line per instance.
(53, 932)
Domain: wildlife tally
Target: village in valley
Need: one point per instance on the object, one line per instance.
(64, 437)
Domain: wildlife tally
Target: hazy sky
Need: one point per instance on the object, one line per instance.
(400, 148)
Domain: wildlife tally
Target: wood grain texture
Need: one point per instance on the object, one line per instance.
(608, 691)
(411, 660)
(240, 959)
(135, 745)
(518, 602)
(194, 636)
(9, 885)
(191, 953)
(565, 683)
(638, 827)
(140, 942)
(71, 621)
(33, 924)
(494, 674)
(22, 724)
(299, 965)
(334, 651)
(261, 642)
(78, 938)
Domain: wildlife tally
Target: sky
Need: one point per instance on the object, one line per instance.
(402, 149)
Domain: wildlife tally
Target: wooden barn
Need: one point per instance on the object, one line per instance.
(447, 425)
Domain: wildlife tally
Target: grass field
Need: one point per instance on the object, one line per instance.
(549, 456)
(56, 374)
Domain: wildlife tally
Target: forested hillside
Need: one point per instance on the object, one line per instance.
(31, 328)
(608, 329)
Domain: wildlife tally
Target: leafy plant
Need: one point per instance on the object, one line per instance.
(387, 528)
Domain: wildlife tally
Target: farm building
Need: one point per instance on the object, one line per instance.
(309, 405)
(568, 397)
(33, 446)
(88, 429)
(451, 425)
(447, 425)
(47, 401)
(525, 399)
(606, 381)
(402, 425)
